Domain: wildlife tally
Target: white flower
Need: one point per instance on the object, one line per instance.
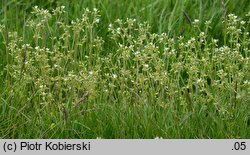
(246, 82)
(207, 22)
(97, 20)
(196, 20)
(118, 21)
(146, 65)
(242, 22)
(199, 80)
(91, 72)
(137, 52)
(114, 76)
(215, 41)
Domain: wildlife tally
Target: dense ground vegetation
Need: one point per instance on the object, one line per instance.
(110, 69)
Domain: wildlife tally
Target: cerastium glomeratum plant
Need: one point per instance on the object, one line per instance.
(65, 68)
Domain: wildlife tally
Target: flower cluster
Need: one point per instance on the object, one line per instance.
(64, 60)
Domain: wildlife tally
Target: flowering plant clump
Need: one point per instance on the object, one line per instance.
(132, 79)
(50, 66)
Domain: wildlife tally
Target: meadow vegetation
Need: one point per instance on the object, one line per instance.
(88, 72)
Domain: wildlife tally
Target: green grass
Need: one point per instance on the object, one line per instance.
(131, 69)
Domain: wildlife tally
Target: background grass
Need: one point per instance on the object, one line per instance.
(22, 118)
